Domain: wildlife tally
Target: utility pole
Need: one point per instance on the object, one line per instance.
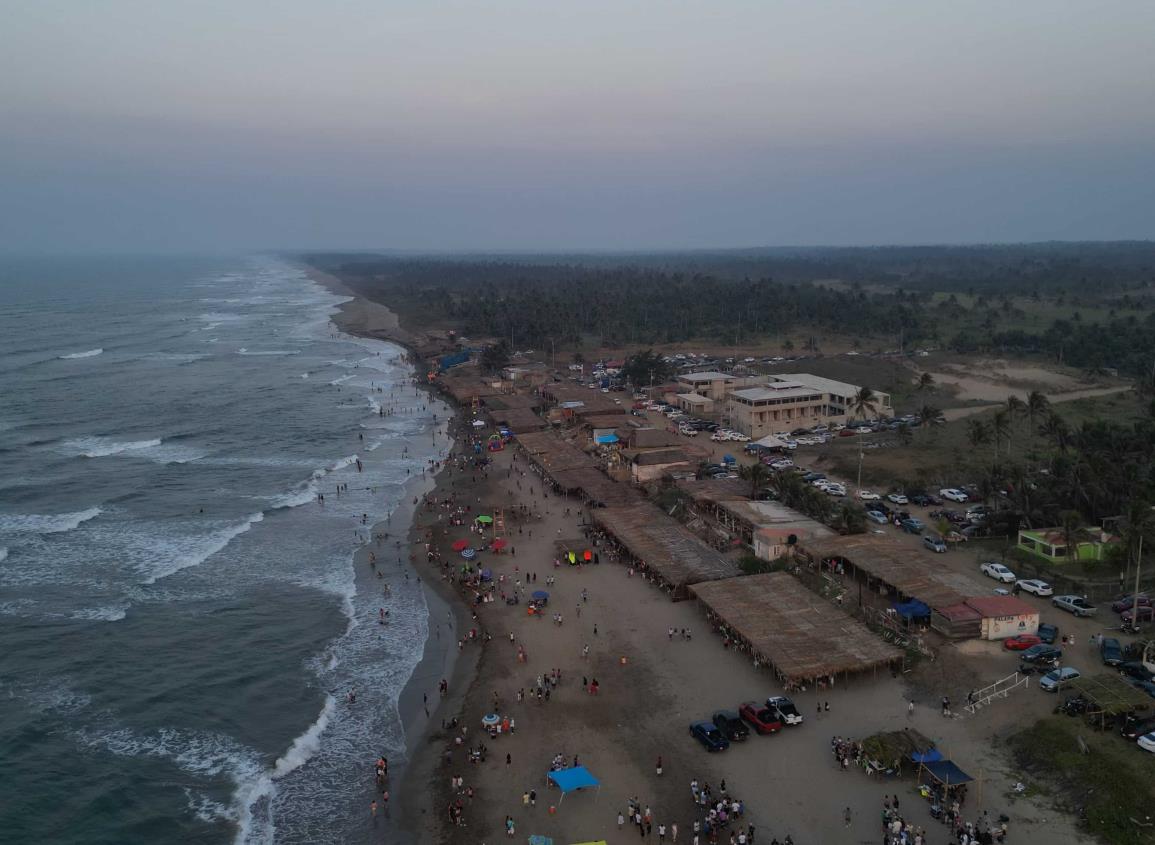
(1135, 604)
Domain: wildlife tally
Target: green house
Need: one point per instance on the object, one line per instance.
(1051, 544)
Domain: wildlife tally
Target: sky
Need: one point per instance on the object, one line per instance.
(157, 125)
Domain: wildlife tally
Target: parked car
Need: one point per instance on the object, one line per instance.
(1145, 686)
(897, 498)
(875, 516)
(1136, 669)
(708, 734)
(1133, 726)
(952, 494)
(1074, 604)
(1021, 642)
(731, 725)
(787, 713)
(912, 525)
(1034, 585)
(760, 717)
(1147, 742)
(1111, 652)
(868, 496)
(1047, 632)
(1041, 653)
(1053, 680)
(996, 570)
(924, 500)
(934, 543)
(1128, 602)
(1145, 614)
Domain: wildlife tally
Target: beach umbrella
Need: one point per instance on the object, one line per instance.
(588, 555)
(572, 557)
(486, 575)
(484, 520)
(460, 545)
(490, 719)
(541, 595)
(499, 544)
(468, 554)
(479, 424)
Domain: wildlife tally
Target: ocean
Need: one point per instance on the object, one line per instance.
(180, 620)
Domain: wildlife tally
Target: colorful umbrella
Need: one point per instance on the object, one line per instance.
(541, 595)
(484, 520)
(460, 545)
(499, 544)
(490, 719)
(468, 554)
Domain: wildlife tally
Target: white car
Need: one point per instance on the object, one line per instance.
(868, 496)
(785, 463)
(953, 495)
(1034, 585)
(897, 498)
(998, 572)
(1147, 742)
(836, 490)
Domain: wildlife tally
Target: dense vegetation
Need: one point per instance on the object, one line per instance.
(1087, 305)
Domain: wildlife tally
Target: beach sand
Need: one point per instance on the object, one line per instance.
(651, 687)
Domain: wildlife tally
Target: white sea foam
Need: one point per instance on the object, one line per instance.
(58, 523)
(102, 447)
(100, 614)
(374, 405)
(91, 353)
(342, 379)
(244, 351)
(209, 546)
(3, 553)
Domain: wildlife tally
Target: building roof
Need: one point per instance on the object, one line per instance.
(774, 514)
(706, 376)
(826, 385)
(995, 606)
(757, 394)
(910, 571)
(657, 457)
(797, 632)
(695, 398)
(666, 546)
(650, 438)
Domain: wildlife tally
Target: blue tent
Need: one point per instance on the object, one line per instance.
(931, 756)
(913, 609)
(607, 438)
(569, 780)
(947, 773)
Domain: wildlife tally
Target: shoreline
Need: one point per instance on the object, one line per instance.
(361, 317)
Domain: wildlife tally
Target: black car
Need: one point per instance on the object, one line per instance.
(1048, 633)
(1041, 653)
(1135, 669)
(731, 725)
(1134, 726)
(1111, 652)
(1074, 706)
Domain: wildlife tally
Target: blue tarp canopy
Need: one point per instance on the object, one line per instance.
(913, 609)
(931, 756)
(568, 780)
(607, 438)
(947, 773)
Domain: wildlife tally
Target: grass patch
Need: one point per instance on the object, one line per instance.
(1113, 782)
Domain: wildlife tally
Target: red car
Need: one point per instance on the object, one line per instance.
(760, 717)
(1128, 603)
(1022, 642)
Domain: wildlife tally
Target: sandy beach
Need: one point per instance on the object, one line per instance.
(652, 681)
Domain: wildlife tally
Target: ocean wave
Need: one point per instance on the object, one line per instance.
(154, 450)
(374, 405)
(91, 353)
(100, 614)
(306, 491)
(3, 553)
(245, 351)
(342, 379)
(58, 523)
(209, 546)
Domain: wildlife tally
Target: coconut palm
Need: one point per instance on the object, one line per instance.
(978, 432)
(925, 381)
(1055, 428)
(1070, 521)
(865, 401)
(758, 476)
(1001, 428)
(1037, 406)
(931, 416)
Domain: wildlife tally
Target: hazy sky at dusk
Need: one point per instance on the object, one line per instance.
(155, 125)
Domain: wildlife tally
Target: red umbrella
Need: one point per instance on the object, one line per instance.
(498, 545)
(588, 555)
(460, 545)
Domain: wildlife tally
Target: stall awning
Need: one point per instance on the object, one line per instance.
(913, 609)
(947, 773)
(569, 780)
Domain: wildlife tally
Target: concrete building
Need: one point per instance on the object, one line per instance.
(712, 385)
(787, 402)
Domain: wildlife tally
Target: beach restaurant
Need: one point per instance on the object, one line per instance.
(800, 636)
(662, 547)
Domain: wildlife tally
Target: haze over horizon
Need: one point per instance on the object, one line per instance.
(520, 126)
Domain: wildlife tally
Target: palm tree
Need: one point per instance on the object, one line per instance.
(978, 432)
(1055, 428)
(851, 518)
(758, 476)
(1000, 428)
(925, 381)
(1070, 521)
(931, 416)
(864, 402)
(1037, 406)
